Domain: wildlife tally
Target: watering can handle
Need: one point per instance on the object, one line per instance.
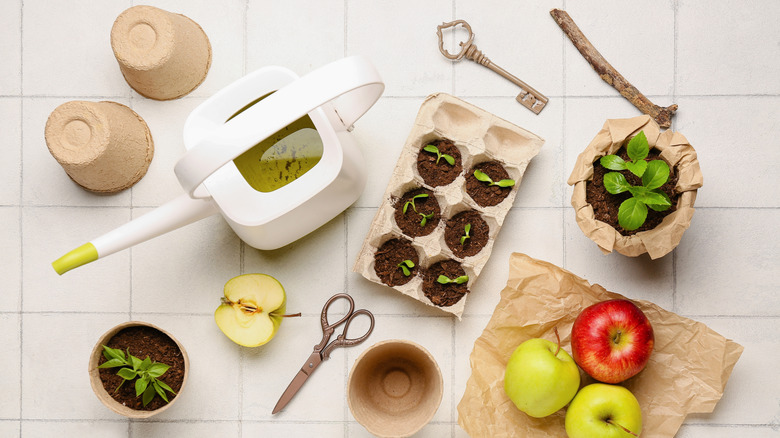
(352, 83)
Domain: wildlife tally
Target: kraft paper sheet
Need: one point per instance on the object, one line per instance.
(687, 372)
(676, 150)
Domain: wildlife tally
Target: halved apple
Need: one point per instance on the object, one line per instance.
(252, 309)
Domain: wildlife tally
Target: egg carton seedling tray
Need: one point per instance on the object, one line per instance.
(479, 137)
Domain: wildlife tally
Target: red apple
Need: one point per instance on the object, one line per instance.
(612, 340)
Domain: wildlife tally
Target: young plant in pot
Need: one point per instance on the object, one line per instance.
(634, 187)
(137, 369)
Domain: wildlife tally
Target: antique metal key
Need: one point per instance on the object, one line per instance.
(529, 98)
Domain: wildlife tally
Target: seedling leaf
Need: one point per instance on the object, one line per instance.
(405, 270)
(463, 238)
(661, 207)
(505, 183)
(165, 387)
(127, 374)
(615, 183)
(632, 214)
(141, 385)
(637, 168)
(431, 148)
(434, 150)
(159, 390)
(158, 369)
(656, 175)
(613, 162)
(443, 279)
(113, 363)
(113, 353)
(482, 176)
(638, 147)
(148, 394)
(135, 362)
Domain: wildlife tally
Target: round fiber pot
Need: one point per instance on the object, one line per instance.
(162, 55)
(394, 388)
(101, 392)
(105, 147)
(675, 150)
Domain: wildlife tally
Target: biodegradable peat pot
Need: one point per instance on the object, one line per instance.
(104, 147)
(103, 394)
(675, 150)
(394, 388)
(162, 55)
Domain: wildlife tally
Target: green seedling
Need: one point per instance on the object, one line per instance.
(443, 279)
(633, 211)
(434, 150)
(482, 176)
(405, 266)
(465, 236)
(145, 371)
(411, 202)
(637, 149)
(425, 218)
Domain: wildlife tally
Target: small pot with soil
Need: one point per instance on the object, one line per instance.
(135, 367)
(417, 212)
(466, 233)
(445, 283)
(488, 183)
(634, 187)
(396, 262)
(439, 162)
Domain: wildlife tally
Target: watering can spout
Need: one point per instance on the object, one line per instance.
(174, 214)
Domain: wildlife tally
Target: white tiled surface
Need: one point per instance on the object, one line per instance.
(719, 60)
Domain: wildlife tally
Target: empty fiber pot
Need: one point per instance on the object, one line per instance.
(162, 55)
(104, 147)
(394, 388)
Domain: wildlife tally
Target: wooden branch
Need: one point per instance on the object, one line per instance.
(662, 115)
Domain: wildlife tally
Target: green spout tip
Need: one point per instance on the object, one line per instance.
(80, 256)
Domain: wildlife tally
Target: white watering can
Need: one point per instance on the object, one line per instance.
(271, 152)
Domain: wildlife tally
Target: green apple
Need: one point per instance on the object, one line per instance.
(541, 377)
(252, 309)
(605, 411)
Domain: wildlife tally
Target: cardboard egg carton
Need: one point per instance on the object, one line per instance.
(479, 136)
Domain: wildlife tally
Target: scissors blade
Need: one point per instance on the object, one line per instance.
(291, 390)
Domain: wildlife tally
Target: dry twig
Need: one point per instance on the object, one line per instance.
(662, 115)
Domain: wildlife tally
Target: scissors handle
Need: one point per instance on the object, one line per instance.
(327, 328)
(342, 340)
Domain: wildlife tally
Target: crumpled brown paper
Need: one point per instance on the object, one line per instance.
(686, 374)
(676, 150)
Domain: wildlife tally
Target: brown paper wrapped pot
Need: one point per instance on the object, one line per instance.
(162, 55)
(676, 150)
(97, 385)
(104, 147)
(394, 388)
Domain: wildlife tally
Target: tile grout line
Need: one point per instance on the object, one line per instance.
(675, 30)
(345, 412)
(562, 148)
(20, 216)
(452, 322)
(242, 249)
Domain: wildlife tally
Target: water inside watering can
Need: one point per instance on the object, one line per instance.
(282, 157)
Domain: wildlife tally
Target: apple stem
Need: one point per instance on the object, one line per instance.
(558, 337)
(609, 421)
(291, 315)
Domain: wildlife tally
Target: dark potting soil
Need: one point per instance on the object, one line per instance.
(606, 205)
(455, 229)
(410, 222)
(481, 192)
(442, 173)
(142, 342)
(444, 295)
(389, 256)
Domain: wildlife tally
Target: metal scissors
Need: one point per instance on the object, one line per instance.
(323, 349)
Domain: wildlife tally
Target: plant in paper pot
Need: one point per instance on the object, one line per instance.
(603, 411)
(634, 187)
(137, 369)
(252, 309)
(612, 340)
(541, 377)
